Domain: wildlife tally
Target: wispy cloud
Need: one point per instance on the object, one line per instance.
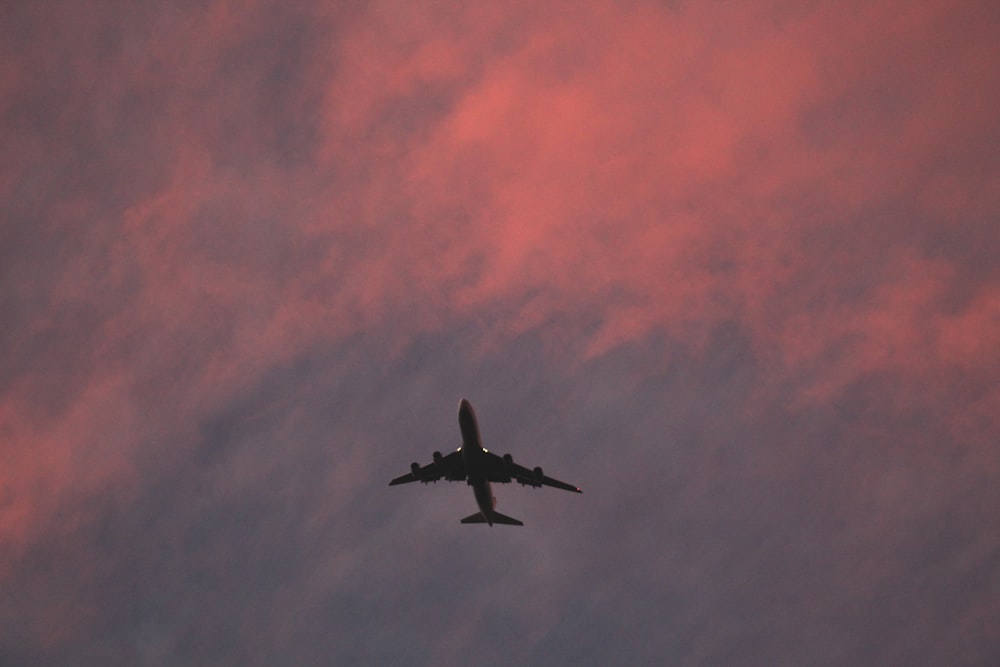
(730, 269)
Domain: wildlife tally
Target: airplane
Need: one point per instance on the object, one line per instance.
(479, 467)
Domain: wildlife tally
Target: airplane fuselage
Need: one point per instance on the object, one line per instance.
(474, 455)
(479, 467)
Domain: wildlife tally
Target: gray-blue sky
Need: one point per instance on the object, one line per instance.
(730, 270)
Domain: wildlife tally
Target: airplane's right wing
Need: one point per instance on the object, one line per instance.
(450, 467)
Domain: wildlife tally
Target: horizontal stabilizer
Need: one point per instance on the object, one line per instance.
(508, 520)
(497, 518)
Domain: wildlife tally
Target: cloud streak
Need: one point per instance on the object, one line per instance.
(731, 269)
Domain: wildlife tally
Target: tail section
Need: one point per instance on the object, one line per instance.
(497, 518)
(504, 519)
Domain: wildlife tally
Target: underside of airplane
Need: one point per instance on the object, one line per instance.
(479, 467)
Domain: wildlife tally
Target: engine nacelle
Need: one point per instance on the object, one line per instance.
(508, 465)
(415, 470)
(438, 458)
(539, 475)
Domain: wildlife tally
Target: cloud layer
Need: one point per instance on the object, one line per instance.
(731, 269)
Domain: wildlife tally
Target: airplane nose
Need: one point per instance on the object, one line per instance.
(467, 424)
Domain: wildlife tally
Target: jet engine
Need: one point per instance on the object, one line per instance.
(538, 476)
(508, 465)
(415, 470)
(438, 458)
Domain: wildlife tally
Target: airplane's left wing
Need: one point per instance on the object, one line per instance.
(505, 469)
(450, 467)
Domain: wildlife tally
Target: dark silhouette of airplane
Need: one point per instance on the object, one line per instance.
(479, 467)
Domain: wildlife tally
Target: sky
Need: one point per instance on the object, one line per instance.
(729, 267)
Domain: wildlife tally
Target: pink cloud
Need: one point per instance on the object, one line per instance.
(662, 154)
(596, 176)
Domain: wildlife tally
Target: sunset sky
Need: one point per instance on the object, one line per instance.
(730, 267)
